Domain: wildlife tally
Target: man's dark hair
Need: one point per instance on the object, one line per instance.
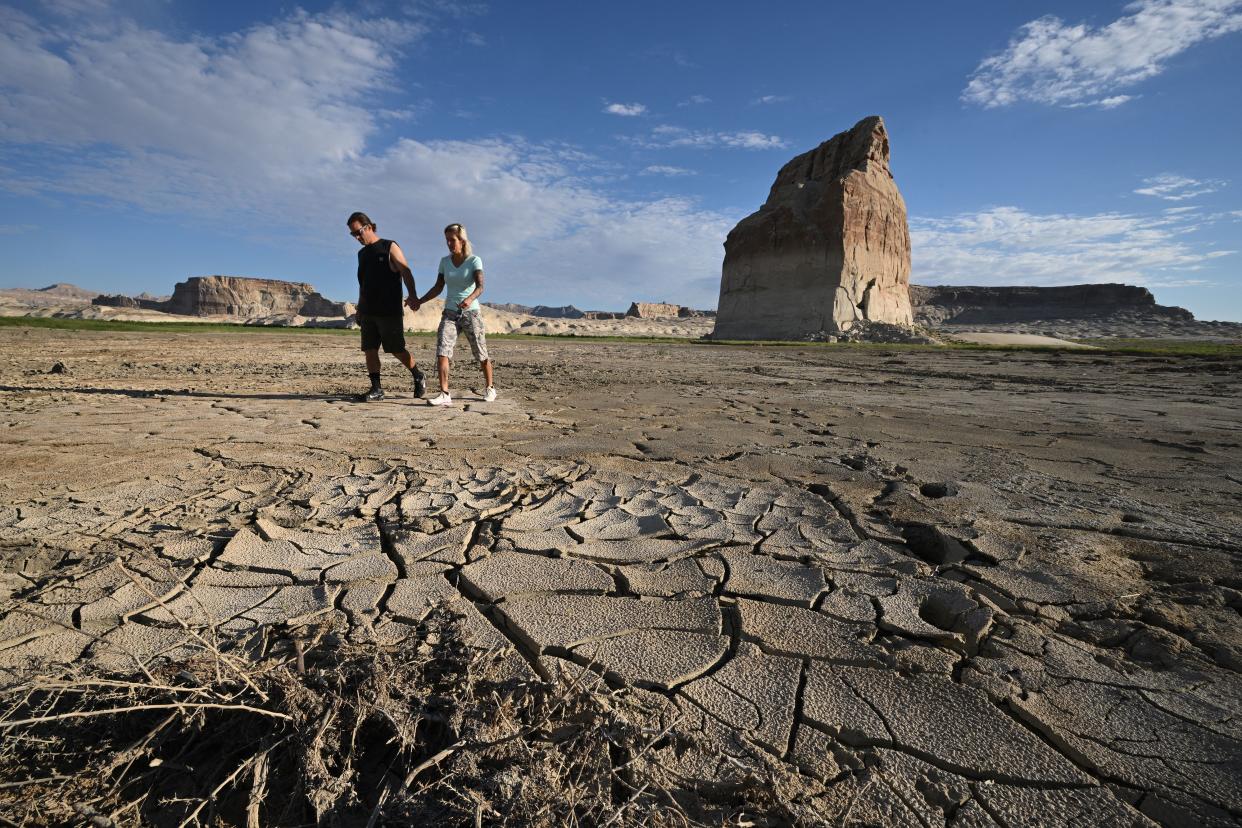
(361, 218)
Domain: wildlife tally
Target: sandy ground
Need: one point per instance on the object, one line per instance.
(968, 588)
(1024, 340)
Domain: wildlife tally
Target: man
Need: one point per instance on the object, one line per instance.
(381, 270)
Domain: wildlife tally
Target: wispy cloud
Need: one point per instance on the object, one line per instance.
(256, 129)
(1009, 246)
(77, 8)
(1051, 62)
(661, 169)
(1172, 187)
(263, 98)
(671, 136)
(769, 99)
(454, 9)
(625, 110)
(695, 100)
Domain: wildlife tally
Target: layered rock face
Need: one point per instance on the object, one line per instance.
(243, 296)
(115, 300)
(831, 246)
(945, 305)
(652, 310)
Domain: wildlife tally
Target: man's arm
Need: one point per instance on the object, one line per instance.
(396, 261)
(474, 294)
(435, 289)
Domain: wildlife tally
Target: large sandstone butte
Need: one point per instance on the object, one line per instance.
(244, 296)
(830, 247)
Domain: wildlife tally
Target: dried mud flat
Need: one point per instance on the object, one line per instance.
(936, 587)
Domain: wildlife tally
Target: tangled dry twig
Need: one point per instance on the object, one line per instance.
(344, 735)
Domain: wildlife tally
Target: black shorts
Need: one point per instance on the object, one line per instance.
(382, 330)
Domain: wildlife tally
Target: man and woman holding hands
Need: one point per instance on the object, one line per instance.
(382, 269)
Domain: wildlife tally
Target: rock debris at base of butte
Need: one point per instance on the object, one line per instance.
(962, 588)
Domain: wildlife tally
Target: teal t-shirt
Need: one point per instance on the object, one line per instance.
(459, 281)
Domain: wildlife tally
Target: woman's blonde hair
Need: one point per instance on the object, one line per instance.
(459, 230)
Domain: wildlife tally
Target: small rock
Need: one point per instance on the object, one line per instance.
(59, 368)
(938, 490)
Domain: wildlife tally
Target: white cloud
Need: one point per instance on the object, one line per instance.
(272, 95)
(695, 100)
(770, 99)
(625, 110)
(1104, 103)
(661, 169)
(258, 132)
(1172, 187)
(455, 9)
(1009, 246)
(1051, 62)
(665, 136)
(77, 8)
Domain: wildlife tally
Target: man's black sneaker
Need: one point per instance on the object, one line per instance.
(420, 383)
(371, 396)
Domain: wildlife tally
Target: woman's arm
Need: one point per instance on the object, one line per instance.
(435, 290)
(476, 293)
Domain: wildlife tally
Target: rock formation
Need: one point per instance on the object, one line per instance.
(561, 312)
(115, 300)
(652, 310)
(949, 305)
(830, 246)
(243, 296)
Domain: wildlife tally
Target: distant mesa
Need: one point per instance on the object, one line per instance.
(663, 310)
(235, 296)
(949, 305)
(652, 310)
(554, 312)
(829, 248)
(120, 300)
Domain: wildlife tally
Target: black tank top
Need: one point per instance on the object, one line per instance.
(379, 288)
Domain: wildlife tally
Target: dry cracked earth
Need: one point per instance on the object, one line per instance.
(956, 588)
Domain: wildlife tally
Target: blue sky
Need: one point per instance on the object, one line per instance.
(599, 153)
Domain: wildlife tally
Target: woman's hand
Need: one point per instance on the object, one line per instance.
(413, 303)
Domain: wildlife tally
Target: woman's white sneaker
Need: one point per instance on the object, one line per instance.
(442, 399)
(490, 394)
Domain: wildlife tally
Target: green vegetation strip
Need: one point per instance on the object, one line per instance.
(55, 323)
(1143, 347)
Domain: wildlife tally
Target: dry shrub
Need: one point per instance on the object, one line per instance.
(435, 733)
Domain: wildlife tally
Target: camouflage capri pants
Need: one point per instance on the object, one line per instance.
(453, 322)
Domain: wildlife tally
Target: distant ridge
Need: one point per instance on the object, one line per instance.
(969, 305)
(64, 289)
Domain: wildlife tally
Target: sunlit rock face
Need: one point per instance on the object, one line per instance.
(831, 246)
(246, 297)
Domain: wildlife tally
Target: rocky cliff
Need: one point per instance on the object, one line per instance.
(247, 297)
(653, 310)
(949, 305)
(829, 247)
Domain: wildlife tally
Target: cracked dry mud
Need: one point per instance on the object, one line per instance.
(963, 588)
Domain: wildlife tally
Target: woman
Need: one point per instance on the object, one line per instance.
(462, 273)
